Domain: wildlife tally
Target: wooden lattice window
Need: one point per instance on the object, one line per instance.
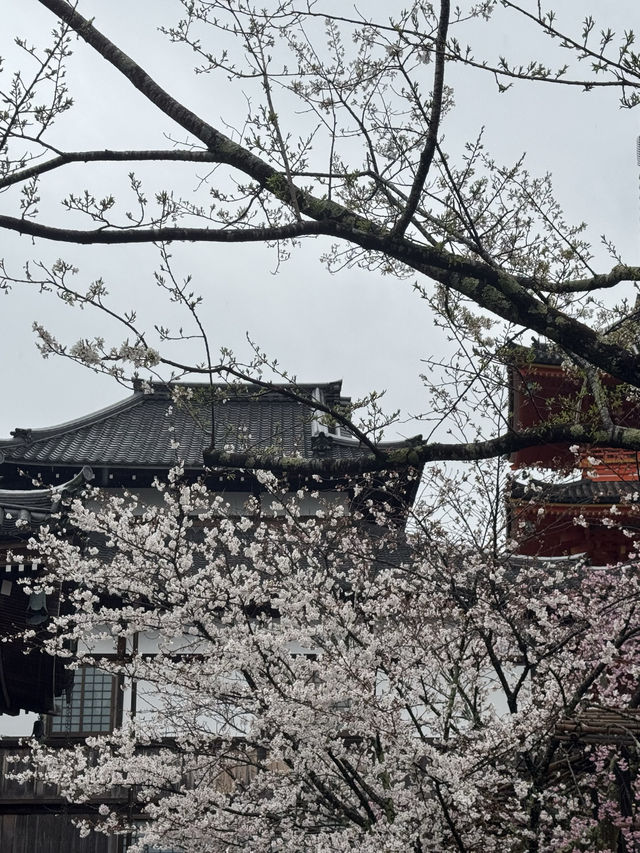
(89, 708)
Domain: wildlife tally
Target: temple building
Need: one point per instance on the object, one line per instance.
(128, 445)
(591, 506)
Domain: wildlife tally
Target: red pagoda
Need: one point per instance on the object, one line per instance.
(593, 505)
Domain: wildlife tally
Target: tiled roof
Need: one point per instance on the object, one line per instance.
(140, 430)
(576, 492)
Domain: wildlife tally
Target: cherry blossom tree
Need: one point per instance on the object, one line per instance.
(330, 682)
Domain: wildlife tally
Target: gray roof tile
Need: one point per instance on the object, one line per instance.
(139, 430)
(577, 492)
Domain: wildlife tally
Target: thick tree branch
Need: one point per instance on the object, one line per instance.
(426, 158)
(415, 453)
(599, 395)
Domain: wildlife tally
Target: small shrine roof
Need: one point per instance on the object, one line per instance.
(149, 429)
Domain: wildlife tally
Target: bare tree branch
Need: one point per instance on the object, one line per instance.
(165, 234)
(106, 156)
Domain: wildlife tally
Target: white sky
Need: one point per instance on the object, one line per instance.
(369, 330)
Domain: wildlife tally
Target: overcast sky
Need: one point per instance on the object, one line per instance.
(369, 330)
